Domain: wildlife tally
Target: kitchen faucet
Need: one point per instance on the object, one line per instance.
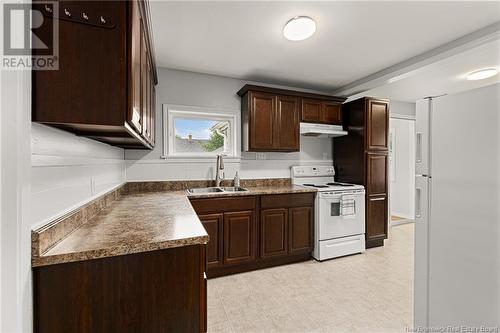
(219, 169)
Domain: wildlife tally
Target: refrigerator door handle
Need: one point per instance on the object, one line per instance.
(418, 148)
(418, 202)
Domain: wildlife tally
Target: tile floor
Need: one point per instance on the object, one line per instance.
(370, 292)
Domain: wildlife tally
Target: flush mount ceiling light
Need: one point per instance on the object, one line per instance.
(482, 74)
(299, 28)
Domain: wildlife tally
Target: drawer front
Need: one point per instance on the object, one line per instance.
(286, 200)
(220, 205)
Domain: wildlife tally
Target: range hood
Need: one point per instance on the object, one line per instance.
(321, 130)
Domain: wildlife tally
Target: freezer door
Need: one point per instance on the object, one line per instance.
(422, 215)
(422, 136)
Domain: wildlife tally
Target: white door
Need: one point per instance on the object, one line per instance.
(402, 167)
(422, 136)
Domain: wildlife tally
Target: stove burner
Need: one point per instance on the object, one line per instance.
(339, 184)
(317, 186)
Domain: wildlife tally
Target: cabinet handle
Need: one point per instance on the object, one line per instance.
(418, 202)
(377, 199)
(418, 149)
(68, 14)
(85, 17)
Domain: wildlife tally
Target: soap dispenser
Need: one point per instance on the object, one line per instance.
(236, 180)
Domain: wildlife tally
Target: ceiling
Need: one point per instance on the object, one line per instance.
(443, 77)
(353, 39)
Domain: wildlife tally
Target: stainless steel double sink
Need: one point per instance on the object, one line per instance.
(208, 190)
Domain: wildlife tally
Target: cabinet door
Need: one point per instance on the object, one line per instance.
(287, 123)
(376, 217)
(273, 232)
(300, 229)
(262, 121)
(331, 113)
(213, 225)
(311, 110)
(153, 111)
(144, 86)
(134, 115)
(377, 165)
(377, 124)
(239, 237)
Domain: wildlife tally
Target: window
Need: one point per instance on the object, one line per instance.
(199, 132)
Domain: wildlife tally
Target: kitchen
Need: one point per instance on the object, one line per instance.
(123, 198)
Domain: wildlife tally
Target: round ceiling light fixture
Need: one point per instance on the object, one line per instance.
(299, 28)
(482, 74)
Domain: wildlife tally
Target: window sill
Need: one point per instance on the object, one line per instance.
(198, 159)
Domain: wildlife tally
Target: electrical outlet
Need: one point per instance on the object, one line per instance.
(260, 156)
(325, 156)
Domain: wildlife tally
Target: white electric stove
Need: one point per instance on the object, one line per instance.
(339, 213)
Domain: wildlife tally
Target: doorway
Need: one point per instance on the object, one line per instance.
(402, 169)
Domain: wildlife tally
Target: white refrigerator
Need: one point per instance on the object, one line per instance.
(457, 210)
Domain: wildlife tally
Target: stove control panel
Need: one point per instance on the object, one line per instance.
(312, 171)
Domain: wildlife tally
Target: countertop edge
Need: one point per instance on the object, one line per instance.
(116, 251)
(108, 252)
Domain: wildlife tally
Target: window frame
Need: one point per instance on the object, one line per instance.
(170, 112)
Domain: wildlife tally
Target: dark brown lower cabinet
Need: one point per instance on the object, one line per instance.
(257, 231)
(156, 291)
(301, 229)
(213, 226)
(273, 232)
(239, 237)
(376, 212)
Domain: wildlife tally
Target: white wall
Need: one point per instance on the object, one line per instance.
(402, 109)
(402, 186)
(68, 171)
(203, 90)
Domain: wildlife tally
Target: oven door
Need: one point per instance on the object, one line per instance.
(340, 215)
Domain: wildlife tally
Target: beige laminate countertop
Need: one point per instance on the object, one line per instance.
(142, 222)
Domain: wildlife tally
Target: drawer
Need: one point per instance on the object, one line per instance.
(221, 205)
(287, 200)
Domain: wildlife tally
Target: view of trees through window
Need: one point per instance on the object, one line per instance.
(200, 135)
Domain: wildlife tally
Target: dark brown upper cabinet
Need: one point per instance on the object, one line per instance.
(331, 113)
(273, 122)
(362, 157)
(377, 116)
(287, 123)
(317, 111)
(271, 117)
(104, 87)
(311, 110)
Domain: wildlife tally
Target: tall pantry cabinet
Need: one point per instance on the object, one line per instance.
(362, 157)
